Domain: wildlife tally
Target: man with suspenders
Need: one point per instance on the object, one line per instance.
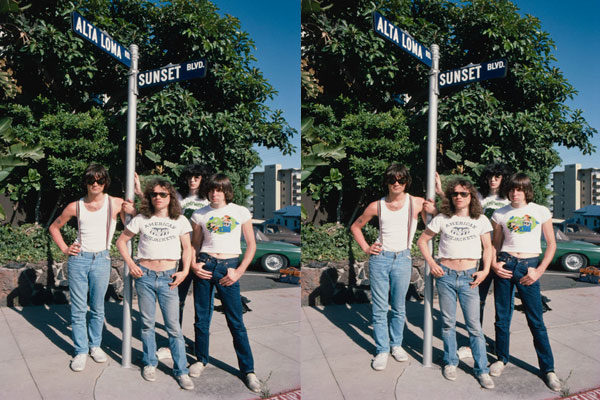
(390, 263)
(89, 261)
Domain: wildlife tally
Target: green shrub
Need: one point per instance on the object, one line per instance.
(334, 242)
(33, 243)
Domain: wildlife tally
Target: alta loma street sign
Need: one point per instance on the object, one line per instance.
(86, 30)
(401, 38)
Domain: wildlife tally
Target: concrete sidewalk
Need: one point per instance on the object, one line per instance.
(36, 348)
(337, 349)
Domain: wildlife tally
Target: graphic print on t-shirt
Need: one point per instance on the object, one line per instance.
(160, 231)
(460, 231)
(221, 225)
(522, 224)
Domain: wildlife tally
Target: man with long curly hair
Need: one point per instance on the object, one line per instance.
(463, 230)
(163, 231)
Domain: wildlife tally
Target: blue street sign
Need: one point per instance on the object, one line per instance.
(473, 73)
(172, 73)
(86, 30)
(401, 38)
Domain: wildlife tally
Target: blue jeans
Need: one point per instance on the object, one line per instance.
(232, 305)
(182, 290)
(389, 273)
(453, 286)
(532, 303)
(152, 286)
(88, 272)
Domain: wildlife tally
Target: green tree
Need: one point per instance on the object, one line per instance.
(517, 119)
(65, 79)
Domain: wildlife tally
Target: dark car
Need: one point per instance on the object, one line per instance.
(579, 232)
(273, 255)
(279, 233)
(572, 255)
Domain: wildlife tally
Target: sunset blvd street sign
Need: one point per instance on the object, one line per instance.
(401, 39)
(172, 73)
(89, 32)
(473, 73)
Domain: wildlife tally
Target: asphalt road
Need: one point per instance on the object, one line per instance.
(554, 279)
(258, 280)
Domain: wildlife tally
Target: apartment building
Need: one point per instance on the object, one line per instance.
(574, 188)
(274, 188)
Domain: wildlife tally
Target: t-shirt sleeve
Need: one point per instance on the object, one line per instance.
(196, 217)
(184, 225)
(434, 224)
(485, 225)
(134, 225)
(545, 214)
(245, 215)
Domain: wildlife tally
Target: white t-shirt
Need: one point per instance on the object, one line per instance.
(522, 227)
(222, 227)
(191, 204)
(159, 236)
(460, 236)
(491, 203)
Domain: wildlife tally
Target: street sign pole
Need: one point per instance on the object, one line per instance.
(132, 93)
(431, 167)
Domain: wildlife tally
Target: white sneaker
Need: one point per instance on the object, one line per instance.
(450, 372)
(380, 362)
(399, 354)
(497, 368)
(464, 352)
(78, 362)
(163, 353)
(486, 382)
(149, 373)
(252, 382)
(98, 355)
(196, 369)
(185, 382)
(553, 382)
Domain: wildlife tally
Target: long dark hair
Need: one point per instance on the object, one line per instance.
(448, 208)
(95, 171)
(147, 208)
(197, 170)
(494, 169)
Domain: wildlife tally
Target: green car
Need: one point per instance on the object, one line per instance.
(572, 254)
(273, 255)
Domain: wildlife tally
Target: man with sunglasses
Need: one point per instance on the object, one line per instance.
(89, 261)
(464, 230)
(390, 265)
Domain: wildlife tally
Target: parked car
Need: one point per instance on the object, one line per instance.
(572, 254)
(273, 255)
(279, 232)
(579, 232)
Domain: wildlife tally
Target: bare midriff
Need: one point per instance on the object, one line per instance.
(223, 256)
(158, 265)
(523, 255)
(459, 264)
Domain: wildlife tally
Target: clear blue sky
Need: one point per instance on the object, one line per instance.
(575, 28)
(275, 28)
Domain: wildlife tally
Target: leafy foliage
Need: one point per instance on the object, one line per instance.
(517, 120)
(74, 95)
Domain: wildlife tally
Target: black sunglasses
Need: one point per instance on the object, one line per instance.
(91, 180)
(462, 194)
(163, 195)
(392, 179)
